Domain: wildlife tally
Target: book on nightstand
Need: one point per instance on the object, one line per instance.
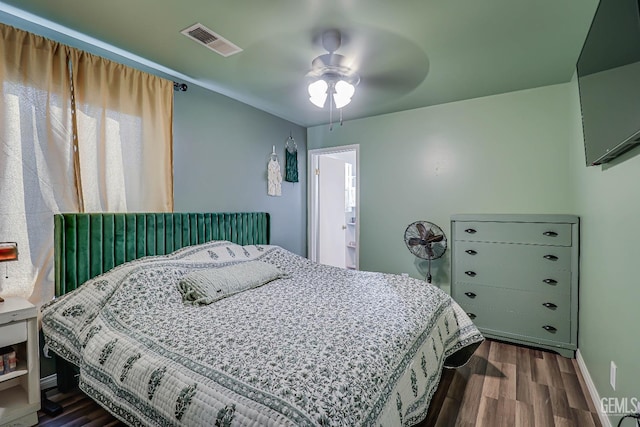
(8, 360)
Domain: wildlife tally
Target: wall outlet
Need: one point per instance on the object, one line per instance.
(612, 375)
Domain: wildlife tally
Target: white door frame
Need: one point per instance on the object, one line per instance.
(312, 198)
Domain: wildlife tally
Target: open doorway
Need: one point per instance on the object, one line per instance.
(333, 206)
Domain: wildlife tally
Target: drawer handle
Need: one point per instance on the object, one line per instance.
(550, 305)
(550, 234)
(471, 316)
(470, 273)
(551, 257)
(550, 281)
(471, 252)
(470, 231)
(470, 294)
(549, 328)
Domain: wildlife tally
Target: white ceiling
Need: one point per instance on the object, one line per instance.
(409, 53)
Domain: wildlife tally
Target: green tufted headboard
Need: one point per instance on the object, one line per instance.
(87, 245)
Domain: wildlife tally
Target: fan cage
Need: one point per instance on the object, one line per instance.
(414, 239)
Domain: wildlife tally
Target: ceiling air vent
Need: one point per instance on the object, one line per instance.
(210, 39)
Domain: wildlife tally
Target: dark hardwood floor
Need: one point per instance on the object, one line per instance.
(502, 385)
(78, 410)
(508, 385)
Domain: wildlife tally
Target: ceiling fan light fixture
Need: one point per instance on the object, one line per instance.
(340, 84)
(331, 77)
(318, 93)
(343, 93)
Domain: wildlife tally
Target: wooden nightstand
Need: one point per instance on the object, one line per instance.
(20, 389)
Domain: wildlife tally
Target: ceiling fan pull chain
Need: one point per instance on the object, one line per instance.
(341, 117)
(330, 114)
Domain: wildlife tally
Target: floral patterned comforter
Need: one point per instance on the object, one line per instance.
(323, 346)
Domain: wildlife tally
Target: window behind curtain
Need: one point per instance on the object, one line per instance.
(36, 158)
(124, 133)
(115, 156)
(106, 158)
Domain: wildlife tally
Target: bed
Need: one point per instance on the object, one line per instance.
(314, 346)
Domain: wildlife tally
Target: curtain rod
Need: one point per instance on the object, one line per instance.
(180, 87)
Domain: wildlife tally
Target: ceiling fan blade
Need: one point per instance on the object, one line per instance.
(401, 82)
(279, 65)
(385, 72)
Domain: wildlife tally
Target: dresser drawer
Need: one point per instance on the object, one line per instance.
(544, 307)
(13, 333)
(532, 233)
(515, 312)
(527, 267)
(521, 326)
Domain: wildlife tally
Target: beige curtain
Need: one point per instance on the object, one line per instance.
(124, 129)
(36, 170)
(122, 160)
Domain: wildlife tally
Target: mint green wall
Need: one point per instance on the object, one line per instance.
(520, 152)
(220, 151)
(609, 206)
(500, 154)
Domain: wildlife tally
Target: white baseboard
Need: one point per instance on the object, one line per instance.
(49, 382)
(593, 392)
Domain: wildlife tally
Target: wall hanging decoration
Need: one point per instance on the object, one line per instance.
(291, 160)
(274, 177)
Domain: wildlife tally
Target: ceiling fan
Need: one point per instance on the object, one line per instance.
(331, 74)
(370, 61)
(331, 77)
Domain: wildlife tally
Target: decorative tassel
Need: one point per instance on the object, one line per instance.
(291, 160)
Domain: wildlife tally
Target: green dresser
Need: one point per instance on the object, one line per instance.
(517, 277)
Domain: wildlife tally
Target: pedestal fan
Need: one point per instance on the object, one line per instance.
(427, 241)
